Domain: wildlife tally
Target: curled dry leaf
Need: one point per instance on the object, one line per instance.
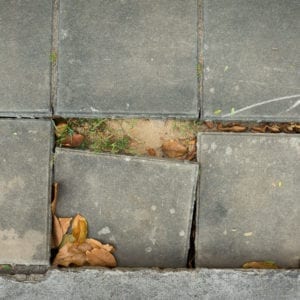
(274, 128)
(260, 265)
(69, 254)
(151, 152)
(59, 225)
(73, 141)
(209, 124)
(173, 149)
(100, 257)
(59, 228)
(79, 229)
(232, 128)
(259, 129)
(90, 252)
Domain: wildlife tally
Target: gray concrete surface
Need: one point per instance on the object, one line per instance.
(25, 149)
(248, 207)
(25, 47)
(142, 206)
(251, 60)
(152, 284)
(128, 58)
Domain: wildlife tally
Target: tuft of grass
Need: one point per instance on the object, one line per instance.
(53, 57)
(186, 128)
(111, 144)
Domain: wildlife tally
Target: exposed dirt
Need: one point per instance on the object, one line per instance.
(143, 137)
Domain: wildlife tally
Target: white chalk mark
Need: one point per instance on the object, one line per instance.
(294, 105)
(262, 103)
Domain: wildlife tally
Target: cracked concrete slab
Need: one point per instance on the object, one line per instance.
(248, 205)
(133, 58)
(25, 148)
(142, 206)
(25, 47)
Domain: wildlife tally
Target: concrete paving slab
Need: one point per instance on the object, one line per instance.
(142, 206)
(251, 60)
(25, 150)
(154, 284)
(248, 207)
(25, 46)
(128, 58)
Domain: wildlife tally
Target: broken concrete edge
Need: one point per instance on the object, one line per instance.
(128, 157)
(153, 284)
(27, 114)
(130, 115)
(257, 119)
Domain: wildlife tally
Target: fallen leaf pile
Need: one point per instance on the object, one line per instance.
(260, 265)
(75, 248)
(260, 128)
(185, 150)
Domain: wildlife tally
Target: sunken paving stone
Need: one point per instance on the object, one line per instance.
(248, 207)
(251, 60)
(25, 151)
(128, 58)
(25, 46)
(153, 284)
(142, 206)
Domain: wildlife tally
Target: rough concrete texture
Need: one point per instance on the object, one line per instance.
(128, 58)
(25, 149)
(251, 60)
(248, 207)
(142, 206)
(25, 45)
(153, 284)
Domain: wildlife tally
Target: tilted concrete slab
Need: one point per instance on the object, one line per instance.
(25, 153)
(251, 60)
(128, 58)
(248, 206)
(142, 206)
(25, 47)
(154, 284)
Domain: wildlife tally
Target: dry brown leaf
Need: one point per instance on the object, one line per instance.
(232, 128)
(260, 265)
(65, 224)
(274, 128)
(173, 149)
(54, 197)
(73, 141)
(97, 244)
(59, 228)
(209, 124)
(79, 229)
(100, 257)
(151, 152)
(83, 247)
(69, 254)
(59, 225)
(259, 129)
(67, 238)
